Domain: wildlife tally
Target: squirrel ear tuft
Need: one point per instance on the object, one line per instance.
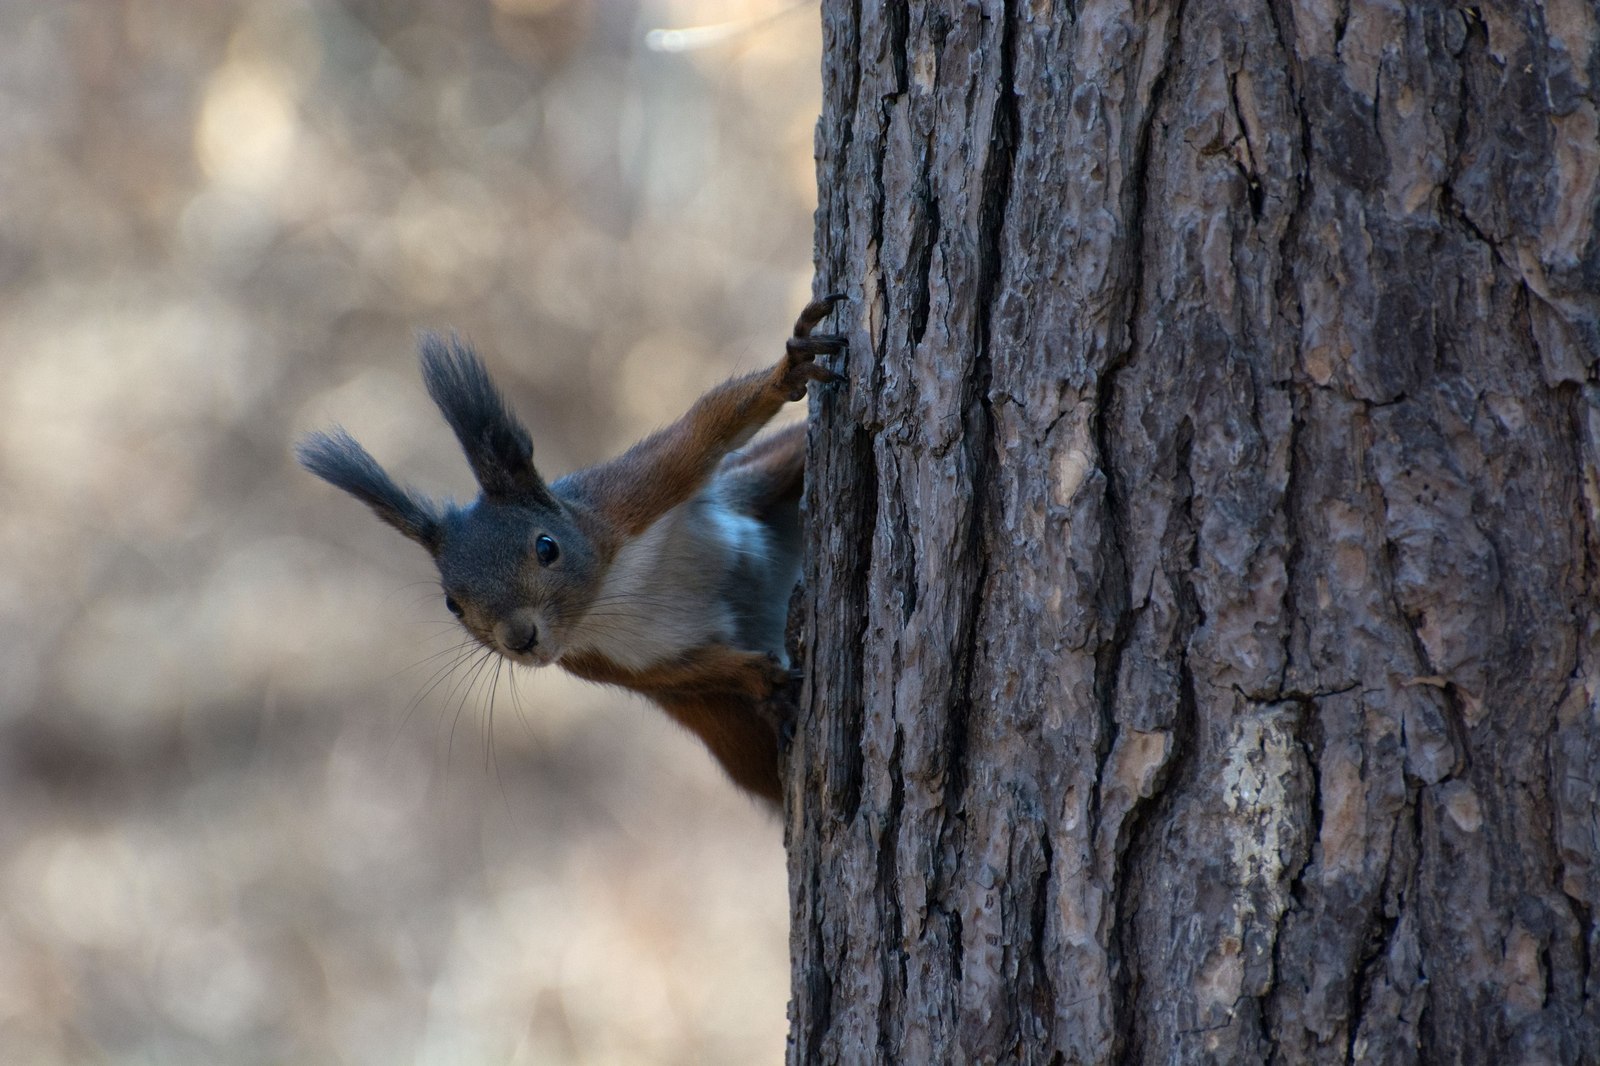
(338, 459)
(497, 445)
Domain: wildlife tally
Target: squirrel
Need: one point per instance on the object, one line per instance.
(667, 570)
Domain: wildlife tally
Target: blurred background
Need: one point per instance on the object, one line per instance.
(244, 816)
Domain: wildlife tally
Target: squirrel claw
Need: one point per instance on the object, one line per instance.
(815, 312)
(793, 385)
(798, 367)
(820, 344)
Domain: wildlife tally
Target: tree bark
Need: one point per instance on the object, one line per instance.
(1201, 620)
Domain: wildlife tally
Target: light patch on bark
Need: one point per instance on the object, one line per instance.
(1463, 806)
(1220, 982)
(924, 69)
(1138, 758)
(1072, 466)
(1257, 761)
(1249, 110)
(1318, 362)
(1257, 767)
(1525, 992)
(1216, 256)
(1577, 143)
(1507, 410)
(1344, 815)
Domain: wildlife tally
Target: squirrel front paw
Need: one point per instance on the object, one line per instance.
(775, 676)
(798, 366)
(780, 707)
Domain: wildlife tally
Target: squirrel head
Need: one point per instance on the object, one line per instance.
(516, 567)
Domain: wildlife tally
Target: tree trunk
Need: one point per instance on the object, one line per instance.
(1202, 631)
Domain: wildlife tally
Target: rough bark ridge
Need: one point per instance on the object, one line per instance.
(1203, 635)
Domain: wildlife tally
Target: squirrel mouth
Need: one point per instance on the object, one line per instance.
(539, 655)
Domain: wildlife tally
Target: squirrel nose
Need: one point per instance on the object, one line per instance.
(518, 635)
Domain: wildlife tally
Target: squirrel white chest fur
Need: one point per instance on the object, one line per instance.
(700, 574)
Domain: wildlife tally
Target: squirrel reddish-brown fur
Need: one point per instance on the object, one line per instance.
(667, 570)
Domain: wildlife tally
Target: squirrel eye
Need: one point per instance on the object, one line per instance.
(452, 606)
(546, 549)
